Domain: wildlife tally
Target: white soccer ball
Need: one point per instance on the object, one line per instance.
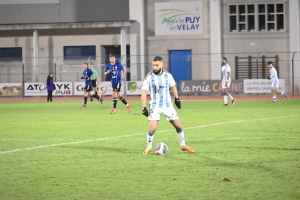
(161, 149)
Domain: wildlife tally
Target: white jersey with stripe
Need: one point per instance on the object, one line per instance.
(159, 89)
(225, 70)
(274, 77)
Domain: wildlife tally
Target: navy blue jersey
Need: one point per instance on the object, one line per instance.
(87, 73)
(115, 72)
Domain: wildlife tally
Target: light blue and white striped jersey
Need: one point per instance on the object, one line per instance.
(159, 89)
(274, 77)
(225, 69)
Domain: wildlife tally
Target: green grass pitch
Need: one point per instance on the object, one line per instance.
(58, 151)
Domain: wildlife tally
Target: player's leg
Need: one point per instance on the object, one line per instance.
(282, 93)
(274, 88)
(122, 98)
(95, 87)
(172, 116)
(95, 95)
(48, 96)
(114, 94)
(99, 94)
(273, 95)
(153, 122)
(85, 96)
(150, 135)
(180, 134)
(229, 95)
(50, 93)
(224, 93)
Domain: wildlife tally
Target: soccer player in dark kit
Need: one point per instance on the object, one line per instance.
(87, 74)
(117, 72)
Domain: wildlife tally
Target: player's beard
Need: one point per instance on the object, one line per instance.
(157, 72)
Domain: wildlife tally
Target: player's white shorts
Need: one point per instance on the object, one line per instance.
(275, 85)
(223, 84)
(169, 113)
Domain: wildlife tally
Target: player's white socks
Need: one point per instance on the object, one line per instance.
(150, 137)
(229, 95)
(180, 135)
(225, 99)
(282, 93)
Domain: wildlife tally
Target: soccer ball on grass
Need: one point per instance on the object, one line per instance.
(161, 149)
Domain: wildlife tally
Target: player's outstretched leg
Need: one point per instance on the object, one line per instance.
(128, 106)
(285, 94)
(183, 146)
(233, 101)
(150, 137)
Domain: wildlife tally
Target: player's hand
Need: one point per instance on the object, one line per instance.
(269, 77)
(177, 102)
(87, 78)
(82, 77)
(145, 112)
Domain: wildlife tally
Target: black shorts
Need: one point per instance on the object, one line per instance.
(116, 87)
(88, 88)
(94, 83)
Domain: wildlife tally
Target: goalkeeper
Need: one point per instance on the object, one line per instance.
(159, 82)
(87, 74)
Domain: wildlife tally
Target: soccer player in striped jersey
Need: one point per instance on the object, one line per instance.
(117, 72)
(275, 82)
(226, 80)
(158, 83)
(87, 74)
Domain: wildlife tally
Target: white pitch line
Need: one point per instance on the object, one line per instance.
(239, 121)
(121, 136)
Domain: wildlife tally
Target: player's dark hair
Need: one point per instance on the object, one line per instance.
(224, 58)
(157, 58)
(112, 55)
(86, 63)
(270, 63)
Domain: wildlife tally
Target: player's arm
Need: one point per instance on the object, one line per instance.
(144, 98)
(274, 72)
(228, 76)
(144, 101)
(124, 72)
(145, 88)
(107, 72)
(175, 92)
